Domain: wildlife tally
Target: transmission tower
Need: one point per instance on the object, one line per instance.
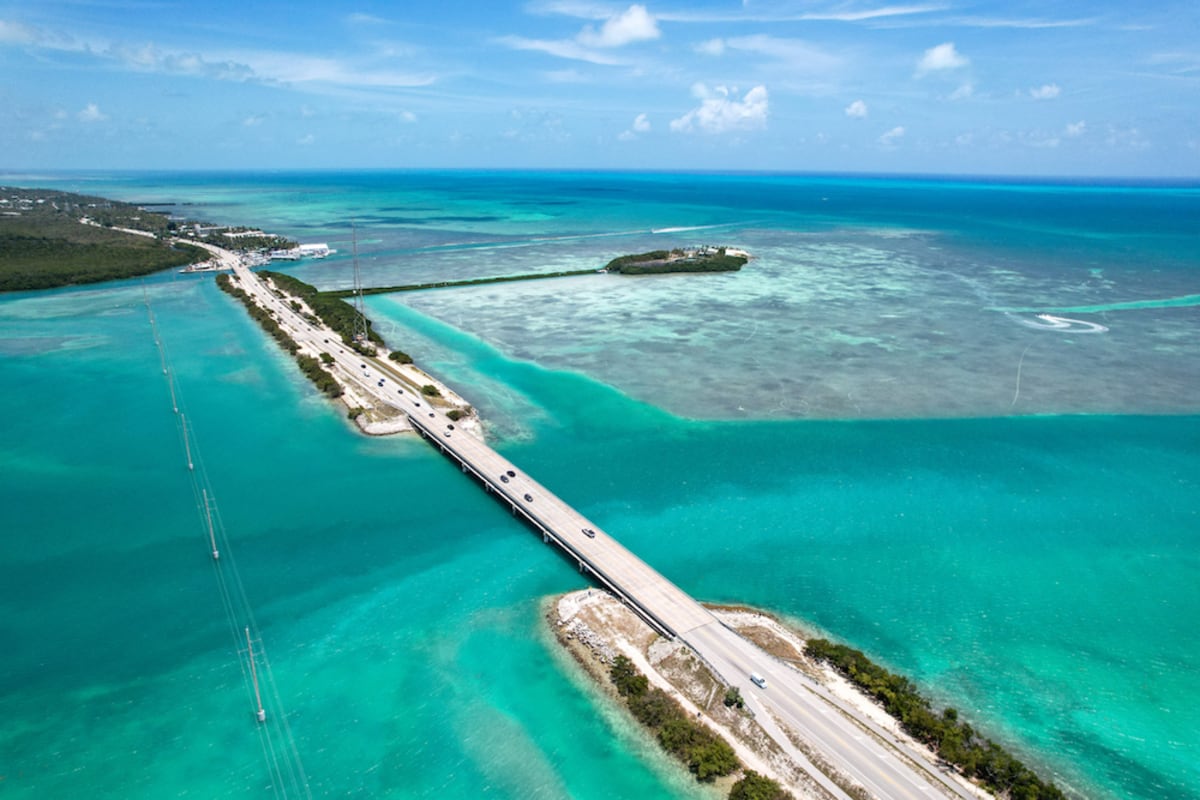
(360, 317)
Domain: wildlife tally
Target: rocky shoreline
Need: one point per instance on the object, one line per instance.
(596, 628)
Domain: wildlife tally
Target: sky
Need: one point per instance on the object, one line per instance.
(979, 87)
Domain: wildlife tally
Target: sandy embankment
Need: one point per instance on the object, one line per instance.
(595, 627)
(379, 418)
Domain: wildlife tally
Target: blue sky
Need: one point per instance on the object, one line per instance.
(911, 86)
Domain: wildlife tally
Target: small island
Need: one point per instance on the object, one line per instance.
(694, 259)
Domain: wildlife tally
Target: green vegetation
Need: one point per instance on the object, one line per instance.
(400, 357)
(707, 755)
(954, 741)
(733, 697)
(753, 786)
(454, 415)
(43, 244)
(429, 390)
(334, 312)
(308, 365)
(416, 287)
(657, 262)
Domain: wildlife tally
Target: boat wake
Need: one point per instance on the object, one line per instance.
(1049, 322)
(686, 228)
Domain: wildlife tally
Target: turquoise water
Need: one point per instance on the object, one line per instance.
(1038, 571)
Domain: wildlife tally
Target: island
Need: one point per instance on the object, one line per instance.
(51, 238)
(708, 258)
(711, 728)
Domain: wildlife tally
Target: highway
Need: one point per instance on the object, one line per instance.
(858, 748)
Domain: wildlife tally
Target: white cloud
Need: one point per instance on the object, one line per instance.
(940, 58)
(713, 47)
(16, 33)
(253, 121)
(796, 54)
(857, 109)
(963, 91)
(563, 48)
(1047, 92)
(641, 124)
(719, 110)
(634, 25)
(1126, 138)
(1075, 129)
(889, 139)
(307, 139)
(92, 113)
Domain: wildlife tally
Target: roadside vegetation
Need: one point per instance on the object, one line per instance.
(953, 740)
(310, 366)
(334, 312)
(706, 754)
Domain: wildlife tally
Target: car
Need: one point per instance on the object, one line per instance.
(431, 413)
(326, 341)
(450, 427)
(588, 532)
(399, 391)
(416, 402)
(364, 366)
(512, 474)
(528, 498)
(446, 434)
(380, 382)
(758, 680)
(504, 479)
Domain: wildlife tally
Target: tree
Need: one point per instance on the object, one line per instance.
(733, 697)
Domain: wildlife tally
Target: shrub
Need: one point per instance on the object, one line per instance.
(953, 740)
(753, 786)
(429, 390)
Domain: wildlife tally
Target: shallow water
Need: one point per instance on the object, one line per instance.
(1037, 572)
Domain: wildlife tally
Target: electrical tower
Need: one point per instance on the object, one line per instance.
(360, 317)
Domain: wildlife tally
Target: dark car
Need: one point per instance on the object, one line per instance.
(504, 479)
(512, 474)
(528, 498)
(451, 427)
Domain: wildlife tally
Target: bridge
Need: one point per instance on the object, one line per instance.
(885, 765)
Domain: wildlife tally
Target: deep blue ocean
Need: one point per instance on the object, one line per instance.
(954, 423)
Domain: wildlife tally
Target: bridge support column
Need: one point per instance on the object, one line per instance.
(545, 538)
